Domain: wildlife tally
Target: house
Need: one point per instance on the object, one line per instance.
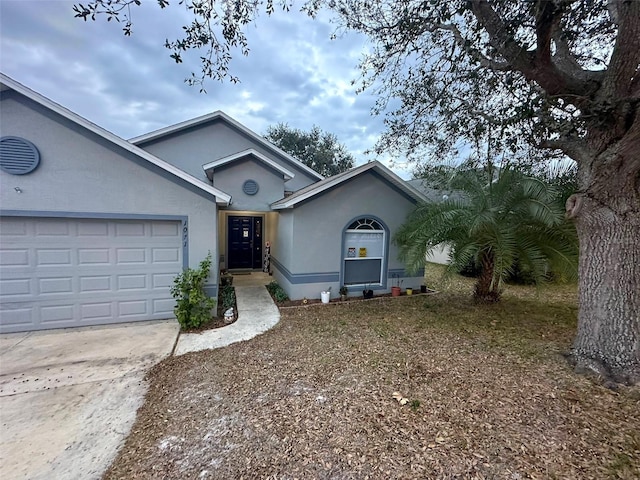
(440, 253)
(94, 228)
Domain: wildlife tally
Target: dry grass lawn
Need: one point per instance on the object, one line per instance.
(489, 397)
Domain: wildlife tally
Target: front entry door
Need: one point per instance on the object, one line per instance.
(245, 242)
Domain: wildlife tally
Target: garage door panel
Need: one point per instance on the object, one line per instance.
(131, 282)
(18, 257)
(57, 256)
(165, 229)
(163, 307)
(100, 283)
(53, 227)
(14, 227)
(165, 255)
(130, 255)
(96, 311)
(86, 271)
(56, 314)
(96, 228)
(162, 280)
(93, 256)
(130, 229)
(11, 287)
(17, 318)
(132, 308)
(53, 285)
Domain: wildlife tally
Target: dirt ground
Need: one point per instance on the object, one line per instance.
(488, 396)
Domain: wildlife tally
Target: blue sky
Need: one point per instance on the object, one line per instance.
(129, 85)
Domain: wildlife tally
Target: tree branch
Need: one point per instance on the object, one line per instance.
(574, 147)
(474, 53)
(548, 16)
(533, 65)
(625, 58)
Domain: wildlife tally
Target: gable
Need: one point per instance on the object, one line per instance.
(195, 143)
(375, 168)
(368, 192)
(252, 184)
(13, 93)
(80, 170)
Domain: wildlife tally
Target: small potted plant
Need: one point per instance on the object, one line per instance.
(395, 290)
(409, 291)
(343, 292)
(325, 295)
(367, 292)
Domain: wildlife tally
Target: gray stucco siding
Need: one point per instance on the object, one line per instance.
(231, 177)
(191, 148)
(81, 173)
(316, 247)
(282, 249)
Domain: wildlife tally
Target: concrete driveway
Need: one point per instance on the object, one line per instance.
(68, 398)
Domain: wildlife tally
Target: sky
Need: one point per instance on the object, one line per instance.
(294, 74)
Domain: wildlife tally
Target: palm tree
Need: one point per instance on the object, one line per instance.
(512, 220)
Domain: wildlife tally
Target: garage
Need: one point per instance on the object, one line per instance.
(70, 272)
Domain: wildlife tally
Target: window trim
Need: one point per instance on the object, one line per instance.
(382, 284)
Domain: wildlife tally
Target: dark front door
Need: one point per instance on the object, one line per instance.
(245, 242)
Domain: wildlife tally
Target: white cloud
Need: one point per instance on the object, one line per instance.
(294, 73)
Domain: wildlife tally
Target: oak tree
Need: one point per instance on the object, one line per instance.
(316, 149)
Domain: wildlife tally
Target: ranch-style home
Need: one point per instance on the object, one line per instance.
(94, 228)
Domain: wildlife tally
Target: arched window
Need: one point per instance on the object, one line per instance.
(364, 252)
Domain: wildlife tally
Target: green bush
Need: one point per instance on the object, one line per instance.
(277, 292)
(227, 297)
(193, 306)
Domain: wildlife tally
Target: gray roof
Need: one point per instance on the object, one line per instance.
(433, 194)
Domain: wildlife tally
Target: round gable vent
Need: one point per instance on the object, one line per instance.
(250, 187)
(18, 156)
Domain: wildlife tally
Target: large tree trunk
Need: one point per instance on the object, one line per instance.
(608, 338)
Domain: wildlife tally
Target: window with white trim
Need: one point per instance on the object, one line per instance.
(364, 252)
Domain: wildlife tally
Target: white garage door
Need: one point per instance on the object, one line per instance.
(57, 272)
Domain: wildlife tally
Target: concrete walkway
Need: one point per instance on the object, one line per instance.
(256, 314)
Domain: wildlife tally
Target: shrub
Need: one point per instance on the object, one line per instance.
(193, 306)
(277, 292)
(227, 297)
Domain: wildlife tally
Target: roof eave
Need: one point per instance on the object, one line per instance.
(375, 165)
(211, 166)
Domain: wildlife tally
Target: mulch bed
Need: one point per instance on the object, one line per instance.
(215, 322)
(489, 396)
(315, 301)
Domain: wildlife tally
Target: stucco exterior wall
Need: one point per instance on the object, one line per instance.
(81, 172)
(281, 251)
(312, 260)
(230, 178)
(190, 149)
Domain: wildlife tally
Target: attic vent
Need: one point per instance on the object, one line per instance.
(250, 187)
(18, 156)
